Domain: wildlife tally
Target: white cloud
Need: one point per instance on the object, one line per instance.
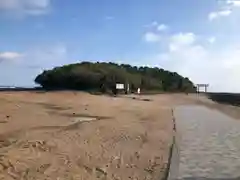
(212, 40)
(152, 37)
(186, 55)
(162, 27)
(31, 63)
(157, 26)
(154, 24)
(217, 14)
(151, 25)
(180, 40)
(205, 59)
(25, 7)
(234, 3)
(46, 57)
(183, 51)
(226, 9)
(183, 38)
(9, 56)
(109, 17)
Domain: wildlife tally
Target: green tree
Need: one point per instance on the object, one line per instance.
(103, 77)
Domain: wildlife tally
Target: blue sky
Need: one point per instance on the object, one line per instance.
(198, 39)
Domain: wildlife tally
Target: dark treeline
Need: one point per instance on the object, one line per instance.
(225, 98)
(104, 76)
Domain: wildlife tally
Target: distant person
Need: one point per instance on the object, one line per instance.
(114, 91)
(138, 90)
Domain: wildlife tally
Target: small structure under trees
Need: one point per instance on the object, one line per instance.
(122, 87)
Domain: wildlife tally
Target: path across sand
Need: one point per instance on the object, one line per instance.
(208, 144)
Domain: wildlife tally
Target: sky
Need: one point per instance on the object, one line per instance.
(199, 39)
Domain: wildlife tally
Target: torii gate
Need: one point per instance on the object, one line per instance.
(202, 85)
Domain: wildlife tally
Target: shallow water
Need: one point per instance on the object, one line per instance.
(208, 142)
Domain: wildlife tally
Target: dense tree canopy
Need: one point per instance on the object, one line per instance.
(104, 76)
